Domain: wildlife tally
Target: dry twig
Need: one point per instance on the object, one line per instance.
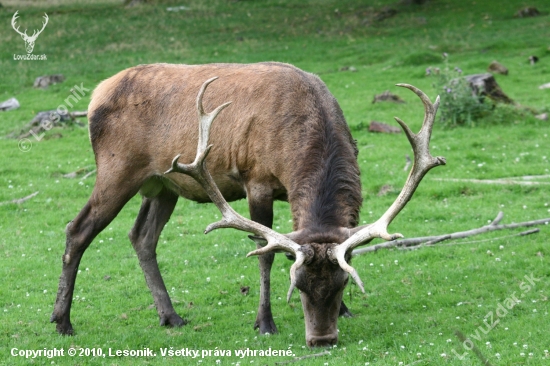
(476, 350)
(431, 240)
(19, 201)
(527, 180)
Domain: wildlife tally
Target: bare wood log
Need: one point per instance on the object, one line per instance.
(485, 84)
(45, 120)
(430, 240)
(476, 350)
(494, 181)
(76, 114)
(19, 201)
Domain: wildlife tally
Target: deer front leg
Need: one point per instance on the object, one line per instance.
(153, 215)
(260, 203)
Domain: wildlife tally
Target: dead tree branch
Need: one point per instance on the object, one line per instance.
(431, 240)
(463, 338)
(522, 181)
(19, 201)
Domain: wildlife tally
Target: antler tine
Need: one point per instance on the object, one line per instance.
(43, 25)
(231, 219)
(13, 23)
(423, 162)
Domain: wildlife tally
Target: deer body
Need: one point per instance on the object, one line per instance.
(283, 137)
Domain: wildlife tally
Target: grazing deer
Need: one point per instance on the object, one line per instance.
(283, 137)
(29, 40)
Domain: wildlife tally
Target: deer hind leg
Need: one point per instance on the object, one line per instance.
(101, 209)
(153, 215)
(260, 203)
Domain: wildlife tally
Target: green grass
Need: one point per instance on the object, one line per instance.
(414, 300)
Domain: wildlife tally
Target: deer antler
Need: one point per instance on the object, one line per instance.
(423, 162)
(231, 219)
(35, 34)
(13, 21)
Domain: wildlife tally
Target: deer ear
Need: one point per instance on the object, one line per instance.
(258, 240)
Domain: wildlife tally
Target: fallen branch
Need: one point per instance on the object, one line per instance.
(462, 337)
(89, 174)
(522, 181)
(46, 120)
(76, 173)
(295, 359)
(19, 201)
(431, 240)
(78, 114)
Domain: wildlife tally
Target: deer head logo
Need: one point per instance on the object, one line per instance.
(29, 40)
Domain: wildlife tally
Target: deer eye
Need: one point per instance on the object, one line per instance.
(290, 257)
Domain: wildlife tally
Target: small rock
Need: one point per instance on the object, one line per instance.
(9, 105)
(47, 80)
(528, 11)
(545, 86)
(533, 60)
(387, 96)
(542, 117)
(385, 189)
(348, 68)
(497, 68)
(384, 14)
(383, 128)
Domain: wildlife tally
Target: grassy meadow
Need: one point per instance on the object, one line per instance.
(414, 300)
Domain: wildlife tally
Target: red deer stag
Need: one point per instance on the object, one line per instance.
(287, 139)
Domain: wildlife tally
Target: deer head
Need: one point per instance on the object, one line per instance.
(29, 40)
(320, 271)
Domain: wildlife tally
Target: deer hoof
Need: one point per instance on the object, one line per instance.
(173, 320)
(344, 311)
(266, 326)
(63, 327)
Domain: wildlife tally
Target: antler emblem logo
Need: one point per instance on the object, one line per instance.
(29, 40)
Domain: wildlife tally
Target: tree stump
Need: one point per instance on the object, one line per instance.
(383, 128)
(486, 85)
(387, 96)
(527, 12)
(497, 68)
(47, 80)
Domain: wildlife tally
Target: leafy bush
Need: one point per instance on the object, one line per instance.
(460, 106)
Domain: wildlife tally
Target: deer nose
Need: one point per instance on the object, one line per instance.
(322, 341)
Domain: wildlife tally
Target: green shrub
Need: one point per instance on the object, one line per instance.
(460, 106)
